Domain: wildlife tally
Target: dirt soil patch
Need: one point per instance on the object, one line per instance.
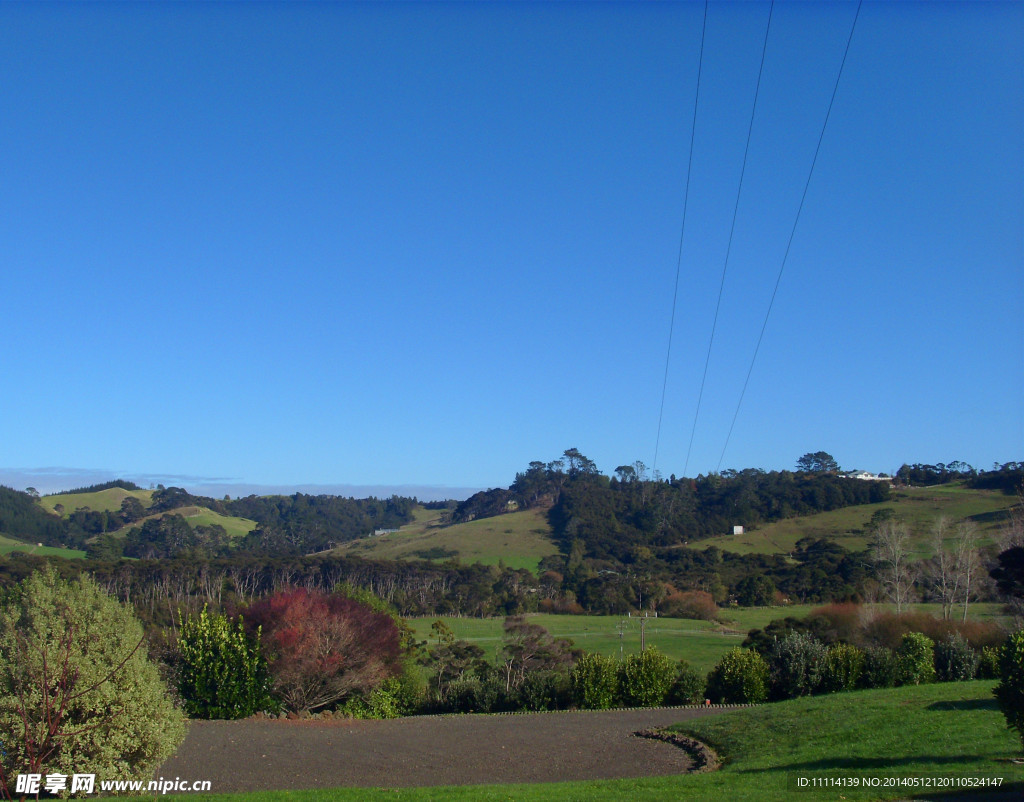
(254, 755)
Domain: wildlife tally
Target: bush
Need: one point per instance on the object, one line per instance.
(221, 671)
(543, 690)
(594, 682)
(1009, 692)
(696, 604)
(323, 648)
(846, 620)
(688, 686)
(645, 678)
(881, 668)
(77, 692)
(915, 660)
(795, 665)
(955, 660)
(842, 668)
(988, 663)
(741, 677)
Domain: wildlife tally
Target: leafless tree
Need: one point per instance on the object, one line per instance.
(890, 553)
(940, 569)
(967, 565)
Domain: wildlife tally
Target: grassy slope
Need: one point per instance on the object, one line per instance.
(919, 507)
(199, 516)
(109, 500)
(951, 730)
(9, 544)
(519, 539)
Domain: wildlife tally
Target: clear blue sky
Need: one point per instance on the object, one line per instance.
(383, 244)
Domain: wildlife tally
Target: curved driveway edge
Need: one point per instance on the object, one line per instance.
(254, 755)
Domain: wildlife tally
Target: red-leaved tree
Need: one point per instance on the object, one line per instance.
(322, 648)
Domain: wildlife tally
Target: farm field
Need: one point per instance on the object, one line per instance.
(696, 641)
(517, 539)
(701, 643)
(919, 507)
(936, 732)
(8, 544)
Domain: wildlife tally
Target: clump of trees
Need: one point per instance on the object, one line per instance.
(76, 687)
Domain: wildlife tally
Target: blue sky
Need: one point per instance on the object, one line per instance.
(384, 244)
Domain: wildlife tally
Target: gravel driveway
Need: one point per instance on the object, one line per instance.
(255, 755)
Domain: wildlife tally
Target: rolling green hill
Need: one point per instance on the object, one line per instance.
(518, 539)
(919, 507)
(9, 544)
(199, 516)
(109, 500)
(103, 500)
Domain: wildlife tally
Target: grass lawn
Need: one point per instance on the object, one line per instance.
(932, 733)
(517, 539)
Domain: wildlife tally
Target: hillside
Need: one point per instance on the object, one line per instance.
(9, 544)
(198, 516)
(851, 527)
(517, 539)
(108, 500)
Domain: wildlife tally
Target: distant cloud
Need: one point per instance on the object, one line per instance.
(56, 479)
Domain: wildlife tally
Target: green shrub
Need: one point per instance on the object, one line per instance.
(645, 679)
(543, 690)
(795, 664)
(915, 660)
(594, 682)
(77, 692)
(688, 686)
(842, 668)
(881, 668)
(222, 673)
(988, 663)
(955, 660)
(1010, 690)
(741, 677)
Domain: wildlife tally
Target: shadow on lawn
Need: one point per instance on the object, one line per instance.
(965, 704)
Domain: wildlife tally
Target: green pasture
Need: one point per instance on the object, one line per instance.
(517, 540)
(928, 733)
(104, 500)
(9, 544)
(918, 507)
(198, 516)
(699, 642)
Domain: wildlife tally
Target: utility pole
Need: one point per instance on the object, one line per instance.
(643, 619)
(622, 631)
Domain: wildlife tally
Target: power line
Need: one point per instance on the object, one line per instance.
(785, 256)
(682, 232)
(732, 229)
